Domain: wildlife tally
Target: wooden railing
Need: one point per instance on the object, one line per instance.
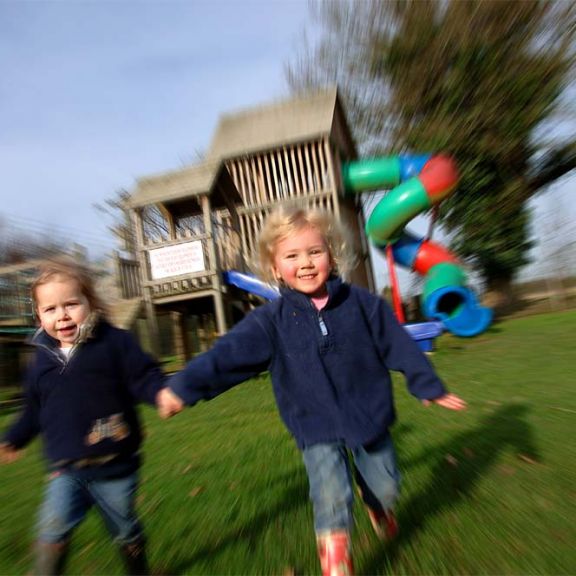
(15, 299)
(128, 277)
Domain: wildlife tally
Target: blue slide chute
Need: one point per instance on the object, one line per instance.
(251, 284)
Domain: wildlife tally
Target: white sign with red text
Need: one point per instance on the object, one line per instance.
(176, 260)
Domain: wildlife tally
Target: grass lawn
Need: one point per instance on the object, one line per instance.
(488, 491)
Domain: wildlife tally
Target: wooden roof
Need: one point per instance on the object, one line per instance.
(210, 178)
(288, 122)
(29, 265)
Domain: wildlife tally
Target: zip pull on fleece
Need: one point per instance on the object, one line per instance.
(322, 324)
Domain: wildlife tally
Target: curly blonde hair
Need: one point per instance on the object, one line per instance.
(64, 267)
(284, 221)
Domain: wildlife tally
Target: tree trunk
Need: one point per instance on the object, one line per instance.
(499, 294)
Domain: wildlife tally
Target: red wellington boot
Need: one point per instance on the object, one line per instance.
(334, 553)
(384, 523)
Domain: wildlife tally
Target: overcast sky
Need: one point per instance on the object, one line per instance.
(94, 94)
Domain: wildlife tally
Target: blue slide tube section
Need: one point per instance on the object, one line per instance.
(412, 164)
(470, 319)
(405, 249)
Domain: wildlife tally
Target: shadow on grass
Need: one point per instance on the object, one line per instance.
(476, 452)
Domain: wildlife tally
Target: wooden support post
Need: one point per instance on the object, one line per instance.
(216, 280)
(178, 336)
(151, 320)
(333, 178)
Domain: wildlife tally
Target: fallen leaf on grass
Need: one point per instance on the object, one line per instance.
(86, 548)
(563, 409)
(506, 470)
(451, 460)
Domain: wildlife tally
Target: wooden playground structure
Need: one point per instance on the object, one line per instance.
(194, 224)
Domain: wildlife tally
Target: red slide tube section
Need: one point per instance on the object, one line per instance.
(439, 176)
(429, 254)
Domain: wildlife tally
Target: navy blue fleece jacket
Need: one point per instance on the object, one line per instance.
(85, 406)
(330, 369)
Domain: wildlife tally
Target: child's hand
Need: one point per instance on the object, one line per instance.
(448, 401)
(168, 403)
(8, 453)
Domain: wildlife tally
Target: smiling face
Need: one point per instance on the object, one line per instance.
(61, 308)
(302, 261)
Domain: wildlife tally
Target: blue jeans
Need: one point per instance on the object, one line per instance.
(69, 497)
(330, 478)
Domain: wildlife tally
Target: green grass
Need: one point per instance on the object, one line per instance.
(488, 491)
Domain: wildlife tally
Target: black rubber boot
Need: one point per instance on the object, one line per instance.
(134, 558)
(50, 559)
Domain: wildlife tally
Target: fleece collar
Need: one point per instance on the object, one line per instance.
(87, 330)
(337, 289)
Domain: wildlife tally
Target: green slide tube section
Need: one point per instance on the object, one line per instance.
(371, 174)
(446, 298)
(390, 215)
(442, 275)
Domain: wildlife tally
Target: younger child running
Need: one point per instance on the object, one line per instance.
(329, 347)
(82, 388)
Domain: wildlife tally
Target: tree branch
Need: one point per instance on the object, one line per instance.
(552, 166)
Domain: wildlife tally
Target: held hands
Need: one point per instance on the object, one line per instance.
(168, 403)
(448, 401)
(8, 453)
